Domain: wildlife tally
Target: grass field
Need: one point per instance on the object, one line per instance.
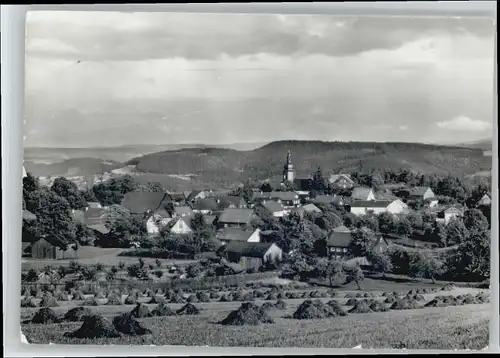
(455, 327)
(90, 255)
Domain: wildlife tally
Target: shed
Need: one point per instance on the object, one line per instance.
(52, 248)
(251, 255)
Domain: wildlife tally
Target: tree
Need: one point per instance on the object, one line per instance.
(400, 259)
(404, 227)
(68, 190)
(53, 214)
(440, 233)
(362, 240)
(471, 261)
(422, 265)
(475, 221)
(154, 187)
(266, 187)
(318, 185)
(376, 182)
(386, 222)
(30, 183)
(89, 196)
(84, 235)
(380, 261)
(369, 222)
(331, 269)
(456, 232)
(354, 274)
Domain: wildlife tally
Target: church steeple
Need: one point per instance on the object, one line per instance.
(288, 171)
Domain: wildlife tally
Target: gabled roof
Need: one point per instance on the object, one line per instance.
(28, 215)
(324, 199)
(228, 200)
(234, 234)
(419, 190)
(334, 177)
(187, 220)
(453, 209)
(339, 239)
(236, 216)
(91, 213)
(248, 249)
(139, 202)
(206, 204)
(162, 213)
(360, 193)
(55, 241)
(183, 210)
(273, 206)
(92, 204)
(218, 192)
(311, 208)
(175, 196)
(283, 195)
(193, 195)
(342, 228)
(101, 228)
(371, 203)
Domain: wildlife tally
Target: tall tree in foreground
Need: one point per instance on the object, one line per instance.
(423, 265)
(318, 185)
(68, 190)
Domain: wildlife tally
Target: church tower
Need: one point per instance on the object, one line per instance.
(288, 171)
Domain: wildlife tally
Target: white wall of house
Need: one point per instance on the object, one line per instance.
(397, 207)
(433, 203)
(273, 252)
(255, 236)
(279, 214)
(428, 194)
(204, 212)
(364, 210)
(180, 227)
(154, 225)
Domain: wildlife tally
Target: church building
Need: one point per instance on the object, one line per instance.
(288, 170)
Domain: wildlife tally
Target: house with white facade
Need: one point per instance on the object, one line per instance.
(363, 207)
(227, 235)
(362, 193)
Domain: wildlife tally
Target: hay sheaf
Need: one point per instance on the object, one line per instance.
(351, 302)
(188, 309)
(78, 296)
(337, 308)
(268, 306)
(243, 296)
(316, 309)
(390, 299)
(141, 310)
(44, 316)
(404, 304)
(178, 298)
(61, 296)
(157, 300)
(94, 326)
(28, 301)
(127, 324)
(280, 304)
(48, 301)
(377, 306)
(114, 300)
(203, 297)
(77, 314)
(361, 307)
(248, 314)
(193, 299)
(162, 310)
(131, 300)
(90, 302)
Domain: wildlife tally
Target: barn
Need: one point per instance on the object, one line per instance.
(53, 248)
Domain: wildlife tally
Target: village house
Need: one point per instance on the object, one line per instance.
(142, 202)
(53, 248)
(100, 230)
(94, 205)
(361, 193)
(176, 198)
(363, 207)
(209, 219)
(158, 220)
(236, 218)
(217, 193)
(276, 209)
(289, 199)
(251, 255)
(227, 235)
(195, 195)
(420, 193)
(181, 211)
(485, 200)
(230, 202)
(446, 215)
(180, 225)
(308, 208)
(337, 243)
(325, 199)
(341, 182)
(302, 184)
(205, 206)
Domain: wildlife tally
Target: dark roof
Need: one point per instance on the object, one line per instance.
(273, 206)
(175, 196)
(101, 228)
(283, 195)
(360, 193)
(324, 199)
(139, 202)
(234, 234)
(28, 215)
(163, 213)
(334, 177)
(419, 190)
(55, 241)
(339, 239)
(228, 200)
(236, 216)
(193, 195)
(209, 219)
(206, 204)
(183, 210)
(371, 203)
(93, 213)
(248, 249)
(302, 184)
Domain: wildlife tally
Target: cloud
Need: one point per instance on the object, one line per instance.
(463, 123)
(122, 36)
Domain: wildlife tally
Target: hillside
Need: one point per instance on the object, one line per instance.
(71, 167)
(485, 144)
(215, 166)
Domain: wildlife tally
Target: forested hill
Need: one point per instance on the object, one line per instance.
(267, 161)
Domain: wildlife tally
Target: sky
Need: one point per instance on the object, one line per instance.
(111, 78)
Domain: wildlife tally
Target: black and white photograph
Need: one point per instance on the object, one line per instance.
(257, 180)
